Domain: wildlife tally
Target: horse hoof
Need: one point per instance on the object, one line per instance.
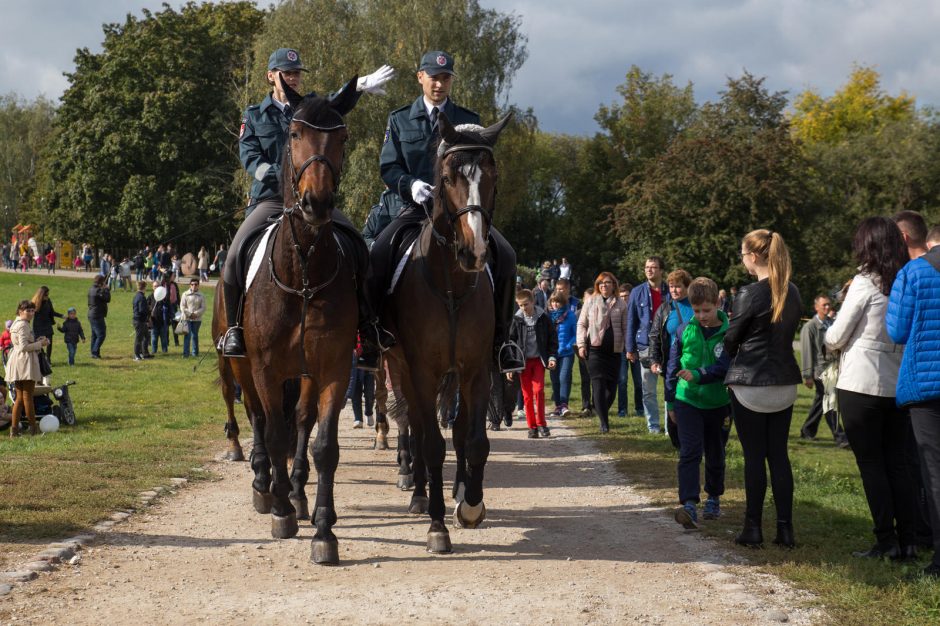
(324, 552)
(381, 442)
(235, 454)
(439, 542)
(406, 482)
(466, 516)
(418, 506)
(284, 527)
(261, 501)
(300, 507)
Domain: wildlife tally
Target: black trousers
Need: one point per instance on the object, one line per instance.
(141, 338)
(880, 434)
(811, 425)
(925, 419)
(503, 266)
(701, 432)
(604, 368)
(764, 442)
(586, 400)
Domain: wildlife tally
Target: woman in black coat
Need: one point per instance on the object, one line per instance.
(44, 320)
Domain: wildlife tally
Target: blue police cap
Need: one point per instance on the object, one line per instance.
(285, 59)
(437, 62)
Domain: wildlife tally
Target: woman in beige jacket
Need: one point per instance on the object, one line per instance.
(23, 366)
(602, 331)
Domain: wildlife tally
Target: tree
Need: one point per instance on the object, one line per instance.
(144, 148)
(25, 127)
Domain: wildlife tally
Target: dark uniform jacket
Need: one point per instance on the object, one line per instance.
(381, 216)
(406, 151)
(260, 144)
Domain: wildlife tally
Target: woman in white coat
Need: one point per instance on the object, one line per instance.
(877, 429)
(23, 366)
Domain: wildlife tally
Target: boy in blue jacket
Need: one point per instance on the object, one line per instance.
(565, 322)
(695, 384)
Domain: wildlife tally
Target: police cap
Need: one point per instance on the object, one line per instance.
(285, 59)
(437, 62)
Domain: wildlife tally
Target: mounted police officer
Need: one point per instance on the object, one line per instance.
(407, 164)
(261, 141)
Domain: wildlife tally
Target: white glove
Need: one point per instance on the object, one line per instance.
(421, 191)
(372, 83)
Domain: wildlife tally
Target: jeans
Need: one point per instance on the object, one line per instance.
(99, 331)
(650, 381)
(701, 431)
(533, 392)
(634, 371)
(764, 442)
(561, 380)
(879, 433)
(71, 348)
(363, 388)
(192, 337)
(925, 418)
(161, 332)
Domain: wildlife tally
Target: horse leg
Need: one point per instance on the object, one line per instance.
(406, 477)
(276, 440)
(434, 449)
(419, 495)
(324, 549)
(261, 486)
(235, 452)
(459, 439)
(381, 410)
(300, 470)
(470, 511)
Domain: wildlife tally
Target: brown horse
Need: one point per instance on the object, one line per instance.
(443, 315)
(300, 317)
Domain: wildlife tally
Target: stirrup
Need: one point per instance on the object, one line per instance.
(224, 340)
(512, 355)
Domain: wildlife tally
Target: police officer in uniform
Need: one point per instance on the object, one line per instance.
(407, 163)
(262, 137)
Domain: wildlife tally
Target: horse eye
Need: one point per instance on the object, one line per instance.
(294, 134)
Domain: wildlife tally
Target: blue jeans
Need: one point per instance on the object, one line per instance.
(622, 400)
(650, 405)
(99, 331)
(192, 337)
(561, 380)
(163, 334)
(701, 431)
(71, 347)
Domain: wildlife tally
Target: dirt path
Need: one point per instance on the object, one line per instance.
(566, 541)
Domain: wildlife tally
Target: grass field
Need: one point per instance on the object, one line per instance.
(139, 424)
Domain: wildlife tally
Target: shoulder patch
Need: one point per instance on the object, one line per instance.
(388, 133)
(241, 131)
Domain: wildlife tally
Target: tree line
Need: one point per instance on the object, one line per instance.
(143, 148)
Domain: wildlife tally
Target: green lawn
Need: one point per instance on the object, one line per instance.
(831, 519)
(139, 423)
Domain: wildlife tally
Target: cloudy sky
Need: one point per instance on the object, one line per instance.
(580, 51)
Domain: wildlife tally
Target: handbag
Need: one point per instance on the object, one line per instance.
(182, 328)
(45, 367)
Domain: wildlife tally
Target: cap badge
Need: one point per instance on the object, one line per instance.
(441, 60)
(291, 56)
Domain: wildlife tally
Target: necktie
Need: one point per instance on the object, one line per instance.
(288, 113)
(434, 119)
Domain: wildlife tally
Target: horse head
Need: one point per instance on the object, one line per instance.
(313, 158)
(466, 186)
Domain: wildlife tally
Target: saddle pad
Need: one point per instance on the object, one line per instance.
(257, 255)
(404, 261)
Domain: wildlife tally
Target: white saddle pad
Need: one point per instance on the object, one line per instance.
(258, 257)
(404, 261)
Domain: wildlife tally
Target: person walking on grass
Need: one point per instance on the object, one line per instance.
(532, 330)
(98, 298)
(695, 375)
(72, 329)
(565, 323)
(192, 306)
(141, 318)
(44, 320)
(23, 367)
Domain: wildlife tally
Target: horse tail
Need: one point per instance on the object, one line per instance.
(447, 396)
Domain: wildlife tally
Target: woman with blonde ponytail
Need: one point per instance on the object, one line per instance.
(763, 379)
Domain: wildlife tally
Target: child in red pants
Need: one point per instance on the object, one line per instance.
(532, 331)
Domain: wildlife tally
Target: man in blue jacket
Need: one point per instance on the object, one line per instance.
(644, 301)
(913, 319)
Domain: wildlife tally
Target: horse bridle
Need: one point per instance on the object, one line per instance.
(296, 173)
(452, 218)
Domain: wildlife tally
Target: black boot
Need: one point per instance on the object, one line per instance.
(509, 356)
(751, 536)
(785, 536)
(233, 342)
(375, 339)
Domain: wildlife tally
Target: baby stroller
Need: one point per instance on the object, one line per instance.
(59, 404)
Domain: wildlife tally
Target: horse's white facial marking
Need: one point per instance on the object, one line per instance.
(473, 173)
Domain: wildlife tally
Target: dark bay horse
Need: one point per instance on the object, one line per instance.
(300, 317)
(442, 312)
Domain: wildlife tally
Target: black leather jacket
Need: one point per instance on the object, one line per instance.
(761, 352)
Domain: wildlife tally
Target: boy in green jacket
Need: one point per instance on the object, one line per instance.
(695, 384)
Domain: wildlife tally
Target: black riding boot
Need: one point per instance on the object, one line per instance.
(233, 343)
(375, 339)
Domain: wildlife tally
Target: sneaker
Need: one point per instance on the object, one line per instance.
(621, 413)
(639, 414)
(136, 358)
(370, 420)
(687, 516)
(564, 410)
(520, 414)
(357, 424)
(237, 400)
(544, 431)
(712, 510)
(533, 433)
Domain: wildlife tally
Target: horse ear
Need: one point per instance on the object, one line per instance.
(346, 98)
(491, 133)
(448, 134)
(293, 98)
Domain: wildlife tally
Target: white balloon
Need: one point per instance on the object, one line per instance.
(212, 267)
(49, 423)
(159, 293)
